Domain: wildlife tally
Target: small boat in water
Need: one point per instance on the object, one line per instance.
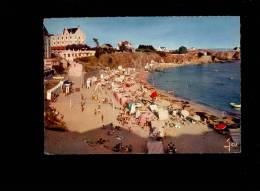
(235, 105)
(231, 78)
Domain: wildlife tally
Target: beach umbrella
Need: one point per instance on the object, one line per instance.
(220, 126)
(185, 113)
(154, 94)
(129, 105)
(196, 118)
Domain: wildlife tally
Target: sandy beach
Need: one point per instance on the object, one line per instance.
(86, 127)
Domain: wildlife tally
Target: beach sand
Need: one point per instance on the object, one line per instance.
(86, 126)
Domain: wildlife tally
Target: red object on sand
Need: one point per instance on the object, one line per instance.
(221, 126)
(154, 94)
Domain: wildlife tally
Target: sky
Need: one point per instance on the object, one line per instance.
(170, 32)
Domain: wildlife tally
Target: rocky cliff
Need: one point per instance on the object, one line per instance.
(139, 59)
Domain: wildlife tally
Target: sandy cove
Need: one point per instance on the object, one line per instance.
(85, 127)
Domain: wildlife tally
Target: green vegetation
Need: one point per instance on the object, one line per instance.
(182, 50)
(145, 48)
(77, 47)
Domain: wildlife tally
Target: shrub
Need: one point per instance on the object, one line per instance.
(183, 50)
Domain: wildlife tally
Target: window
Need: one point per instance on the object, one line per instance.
(62, 38)
(58, 38)
(72, 55)
(64, 55)
(70, 37)
(68, 55)
(66, 37)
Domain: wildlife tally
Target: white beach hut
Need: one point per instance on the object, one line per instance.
(55, 89)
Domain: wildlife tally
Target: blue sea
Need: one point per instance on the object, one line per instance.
(213, 85)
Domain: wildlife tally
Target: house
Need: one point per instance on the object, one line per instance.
(70, 55)
(127, 46)
(68, 37)
(163, 49)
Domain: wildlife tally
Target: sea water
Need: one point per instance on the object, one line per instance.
(214, 85)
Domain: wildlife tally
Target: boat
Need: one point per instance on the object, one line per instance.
(235, 105)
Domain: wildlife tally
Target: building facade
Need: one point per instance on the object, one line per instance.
(68, 37)
(70, 55)
(47, 43)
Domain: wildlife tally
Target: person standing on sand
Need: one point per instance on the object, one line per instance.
(102, 118)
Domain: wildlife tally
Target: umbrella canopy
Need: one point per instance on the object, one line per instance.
(185, 113)
(154, 94)
(220, 126)
(196, 118)
(129, 105)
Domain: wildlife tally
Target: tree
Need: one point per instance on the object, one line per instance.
(183, 50)
(96, 41)
(146, 48)
(98, 49)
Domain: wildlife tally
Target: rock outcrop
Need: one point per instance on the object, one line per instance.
(139, 59)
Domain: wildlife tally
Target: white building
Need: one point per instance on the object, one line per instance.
(70, 55)
(46, 41)
(68, 37)
(163, 49)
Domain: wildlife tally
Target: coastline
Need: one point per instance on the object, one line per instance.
(192, 105)
(82, 134)
(175, 65)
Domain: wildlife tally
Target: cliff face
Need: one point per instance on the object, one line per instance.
(139, 59)
(226, 55)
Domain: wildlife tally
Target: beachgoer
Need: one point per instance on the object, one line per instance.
(102, 118)
(171, 148)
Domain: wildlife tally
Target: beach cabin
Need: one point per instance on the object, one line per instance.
(57, 89)
(163, 114)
